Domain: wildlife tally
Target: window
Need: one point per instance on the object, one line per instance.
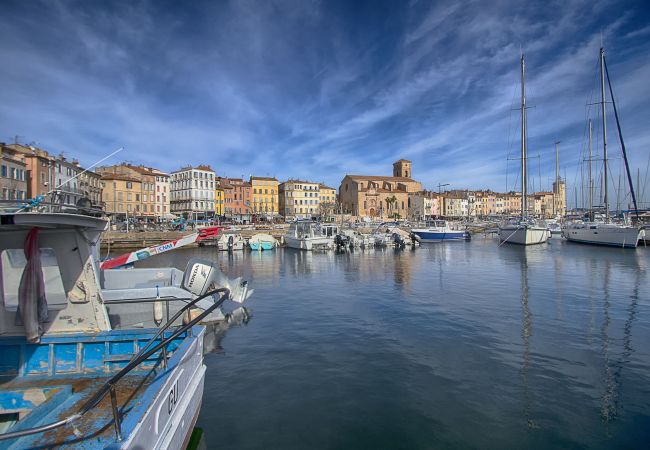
(129, 185)
(128, 197)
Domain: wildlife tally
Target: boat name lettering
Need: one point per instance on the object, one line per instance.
(164, 247)
(172, 398)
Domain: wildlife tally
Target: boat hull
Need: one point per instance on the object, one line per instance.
(438, 236)
(624, 237)
(523, 235)
(308, 243)
(256, 246)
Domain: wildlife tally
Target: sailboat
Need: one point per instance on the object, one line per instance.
(524, 230)
(604, 232)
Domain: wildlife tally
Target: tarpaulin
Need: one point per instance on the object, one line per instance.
(32, 305)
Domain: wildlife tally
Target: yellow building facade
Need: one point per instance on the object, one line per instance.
(121, 194)
(219, 201)
(264, 195)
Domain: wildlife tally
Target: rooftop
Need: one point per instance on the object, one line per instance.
(381, 178)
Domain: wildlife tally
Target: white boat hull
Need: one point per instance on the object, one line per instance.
(308, 243)
(523, 235)
(611, 235)
(170, 418)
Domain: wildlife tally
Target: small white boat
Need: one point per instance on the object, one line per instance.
(262, 241)
(230, 242)
(306, 235)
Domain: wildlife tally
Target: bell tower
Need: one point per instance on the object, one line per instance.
(402, 168)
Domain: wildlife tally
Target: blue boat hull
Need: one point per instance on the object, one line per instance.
(255, 246)
(435, 236)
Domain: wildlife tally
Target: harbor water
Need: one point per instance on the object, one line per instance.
(451, 345)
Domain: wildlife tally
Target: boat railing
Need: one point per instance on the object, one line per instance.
(39, 205)
(143, 354)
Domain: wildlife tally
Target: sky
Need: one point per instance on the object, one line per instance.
(317, 89)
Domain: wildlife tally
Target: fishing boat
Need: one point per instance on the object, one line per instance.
(605, 232)
(523, 230)
(306, 235)
(262, 241)
(67, 378)
(440, 230)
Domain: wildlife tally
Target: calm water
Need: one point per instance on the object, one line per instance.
(459, 345)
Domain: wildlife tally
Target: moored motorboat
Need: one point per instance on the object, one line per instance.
(306, 235)
(230, 242)
(440, 230)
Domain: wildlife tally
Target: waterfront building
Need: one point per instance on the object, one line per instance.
(299, 199)
(162, 194)
(66, 182)
(40, 168)
(379, 196)
(13, 178)
(424, 205)
(265, 196)
(237, 198)
(192, 192)
(119, 193)
(144, 201)
(455, 205)
(219, 197)
(327, 200)
(90, 184)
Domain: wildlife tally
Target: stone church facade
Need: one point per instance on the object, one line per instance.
(379, 196)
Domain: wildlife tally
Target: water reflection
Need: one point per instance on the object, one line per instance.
(526, 335)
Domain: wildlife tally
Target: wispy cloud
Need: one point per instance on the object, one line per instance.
(317, 89)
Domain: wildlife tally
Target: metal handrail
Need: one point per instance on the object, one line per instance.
(109, 386)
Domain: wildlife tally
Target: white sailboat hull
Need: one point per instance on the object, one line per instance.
(523, 235)
(604, 234)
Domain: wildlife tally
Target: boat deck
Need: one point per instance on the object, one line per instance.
(63, 398)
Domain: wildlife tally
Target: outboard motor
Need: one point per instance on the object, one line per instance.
(341, 241)
(202, 275)
(399, 240)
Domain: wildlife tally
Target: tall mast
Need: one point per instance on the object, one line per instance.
(602, 113)
(591, 181)
(557, 180)
(524, 180)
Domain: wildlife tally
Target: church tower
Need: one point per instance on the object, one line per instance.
(402, 168)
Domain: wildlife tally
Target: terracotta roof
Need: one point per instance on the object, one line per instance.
(324, 186)
(117, 176)
(264, 178)
(380, 178)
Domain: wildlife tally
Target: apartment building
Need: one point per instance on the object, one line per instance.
(13, 175)
(264, 195)
(121, 195)
(299, 199)
(192, 192)
(424, 205)
(162, 194)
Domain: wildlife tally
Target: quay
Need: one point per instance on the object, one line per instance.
(139, 239)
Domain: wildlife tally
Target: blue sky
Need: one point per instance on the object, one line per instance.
(317, 89)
